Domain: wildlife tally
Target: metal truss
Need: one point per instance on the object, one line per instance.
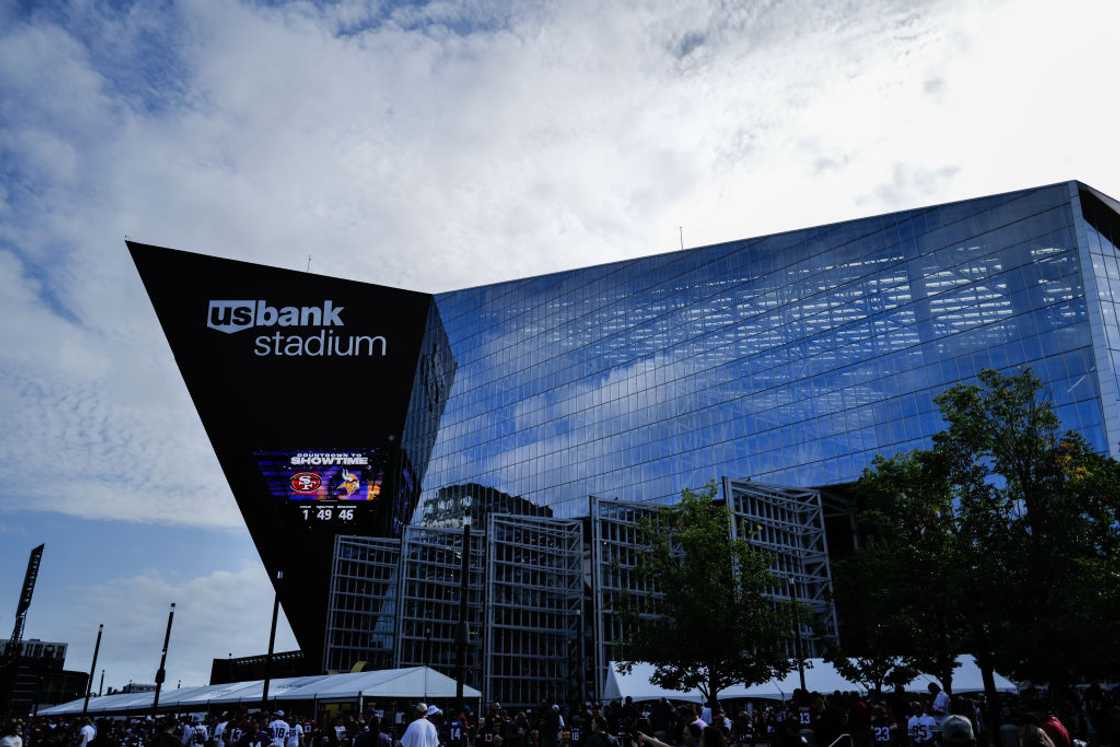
(534, 610)
(428, 613)
(615, 548)
(789, 523)
(361, 610)
(395, 603)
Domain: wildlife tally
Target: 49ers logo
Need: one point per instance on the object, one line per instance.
(306, 482)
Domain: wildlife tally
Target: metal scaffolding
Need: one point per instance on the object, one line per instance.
(428, 613)
(789, 523)
(543, 615)
(361, 612)
(534, 610)
(615, 548)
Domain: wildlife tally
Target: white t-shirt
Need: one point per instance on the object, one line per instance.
(11, 741)
(220, 733)
(921, 728)
(295, 736)
(278, 730)
(420, 733)
(187, 734)
(87, 733)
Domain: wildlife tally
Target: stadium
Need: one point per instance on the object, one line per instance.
(556, 411)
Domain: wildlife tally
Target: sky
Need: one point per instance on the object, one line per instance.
(431, 146)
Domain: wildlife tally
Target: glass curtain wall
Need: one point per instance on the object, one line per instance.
(790, 359)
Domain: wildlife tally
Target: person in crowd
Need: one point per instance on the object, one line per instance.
(201, 733)
(421, 732)
(1056, 730)
(87, 733)
(956, 731)
(278, 730)
(12, 735)
(1031, 735)
(552, 726)
(921, 726)
(939, 707)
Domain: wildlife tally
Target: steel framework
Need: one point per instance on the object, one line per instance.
(534, 610)
(431, 564)
(395, 602)
(361, 612)
(615, 548)
(788, 522)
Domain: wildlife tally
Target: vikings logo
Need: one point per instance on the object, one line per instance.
(349, 484)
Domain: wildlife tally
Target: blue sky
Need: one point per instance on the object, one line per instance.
(430, 146)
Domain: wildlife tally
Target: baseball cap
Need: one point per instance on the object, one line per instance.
(957, 730)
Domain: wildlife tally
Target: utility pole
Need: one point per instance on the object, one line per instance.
(463, 632)
(101, 687)
(271, 642)
(93, 670)
(161, 673)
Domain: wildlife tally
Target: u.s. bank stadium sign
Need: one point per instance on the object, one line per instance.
(295, 328)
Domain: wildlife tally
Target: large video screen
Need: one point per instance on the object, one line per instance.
(330, 484)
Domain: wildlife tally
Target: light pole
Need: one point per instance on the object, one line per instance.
(797, 630)
(161, 673)
(271, 642)
(462, 634)
(93, 670)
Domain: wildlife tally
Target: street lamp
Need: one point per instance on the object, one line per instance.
(797, 630)
(161, 673)
(93, 670)
(271, 642)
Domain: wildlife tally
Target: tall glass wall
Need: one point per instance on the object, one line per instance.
(1101, 254)
(791, 358)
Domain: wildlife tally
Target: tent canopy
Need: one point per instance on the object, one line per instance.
(418, 683)
(820, 676)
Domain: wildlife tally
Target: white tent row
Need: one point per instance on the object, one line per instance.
(820, 676)
(413, 683)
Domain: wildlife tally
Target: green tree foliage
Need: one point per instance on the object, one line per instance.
(1000, 541)
(714, 624)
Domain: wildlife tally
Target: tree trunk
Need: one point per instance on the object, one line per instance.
(713, 692)
(992, 697)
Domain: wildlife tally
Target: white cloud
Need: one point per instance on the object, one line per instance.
(219, 613)
(440, 145)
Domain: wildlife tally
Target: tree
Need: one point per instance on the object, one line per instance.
(908, 568)
(867, 649)
(1008, 537)
(715, 622)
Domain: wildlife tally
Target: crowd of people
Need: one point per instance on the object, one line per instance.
(1086, 718)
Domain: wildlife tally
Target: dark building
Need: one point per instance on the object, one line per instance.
(453, 502)
(774, 366)
(247, 668)
(36, 675)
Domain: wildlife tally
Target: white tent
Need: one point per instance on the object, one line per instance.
(966, 679)
(413, 683)
(820, 676)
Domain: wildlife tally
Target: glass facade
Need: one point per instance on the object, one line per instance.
(791, 359)
(1100, 239)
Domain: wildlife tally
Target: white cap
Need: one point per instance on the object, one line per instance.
(280, 713)
(432, 710)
